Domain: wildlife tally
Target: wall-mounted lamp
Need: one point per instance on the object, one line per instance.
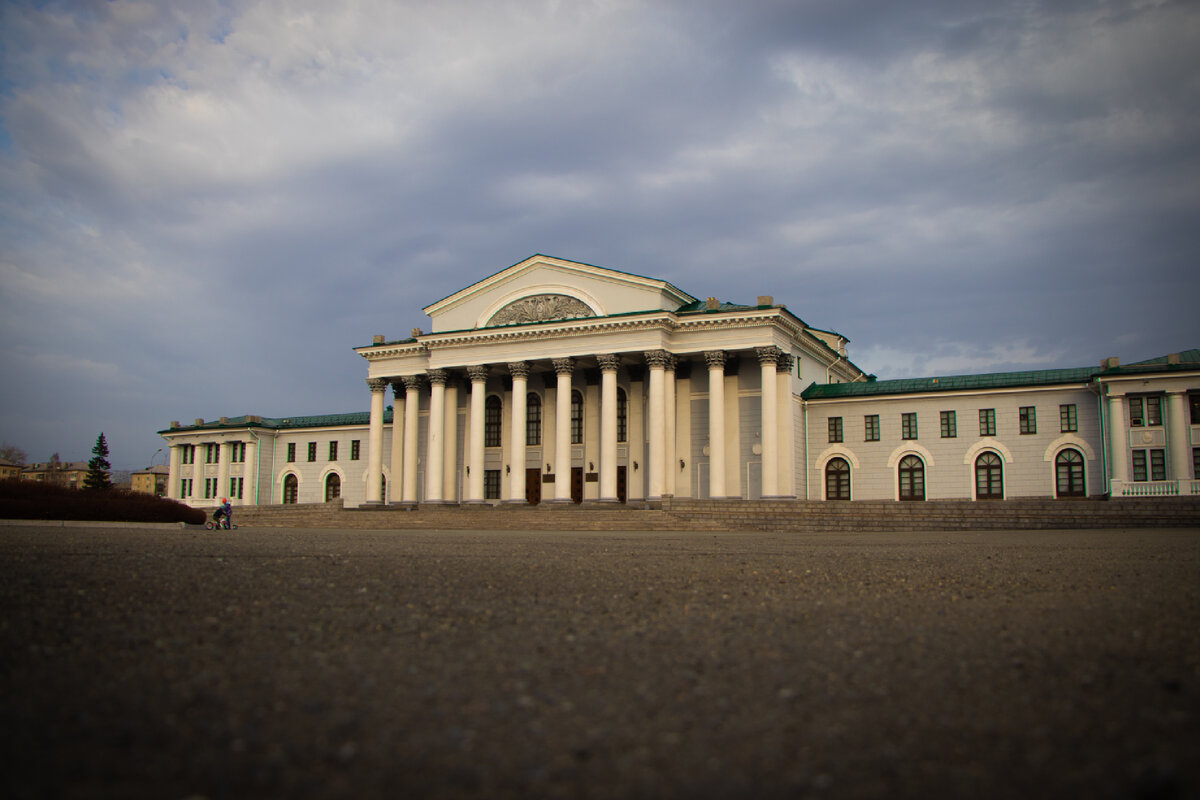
(591, 467)
(635, 466)
(547, 468)
(468, 470)
(507, 471)
(681, 464)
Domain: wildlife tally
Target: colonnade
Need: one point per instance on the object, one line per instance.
(1175, 440)
(441, 430)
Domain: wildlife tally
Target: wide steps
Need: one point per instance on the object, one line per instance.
(748, 515)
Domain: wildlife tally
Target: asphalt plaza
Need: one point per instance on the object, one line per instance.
(320, 663)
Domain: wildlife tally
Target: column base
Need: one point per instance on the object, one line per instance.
(557, 501)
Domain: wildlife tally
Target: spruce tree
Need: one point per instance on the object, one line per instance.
(98, 467)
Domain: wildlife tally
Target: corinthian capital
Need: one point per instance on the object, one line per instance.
(519, 369)
(784, 362)
(477, 373)
(437, 376)
(768, 355)
(377, 384)
(715, 358)
(658, 358)
(564, 366)
(609, 362)
(413, 382)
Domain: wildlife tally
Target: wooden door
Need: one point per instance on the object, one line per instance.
(533, 486)
(621, 484)
(577, 484)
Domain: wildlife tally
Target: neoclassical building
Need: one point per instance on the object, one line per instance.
(553, 381)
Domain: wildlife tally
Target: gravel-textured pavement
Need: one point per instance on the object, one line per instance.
(311, 664)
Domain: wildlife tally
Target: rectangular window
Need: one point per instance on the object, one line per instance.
(1154, 411)
(210, 453)
(949, 424)
(1067, 418)
(1136, 420)
(1028, 417)
(185, 488)
(835, 429)
(333, 451)
(312, 451)
(908, 426)
(1156, 460)
(871, 425)
(235, 488)
(987, 422)
(354, 445)
(491, 484)
(1194, 404)
(1196, 463)
(210, 488)
(533, 421)
(291, 451)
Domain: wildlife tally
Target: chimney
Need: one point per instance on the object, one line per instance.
(378, 339)
(174, 423)
(1173, 358)
(766, 300)
(199, 421)
(711, 304)
(224, 420)
(416, 332)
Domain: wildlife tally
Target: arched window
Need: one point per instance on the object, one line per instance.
(622, 416)
(291, 489)
(989, 477)
(491, 421)
(1068, 474)
(533, 419)
(837, 479)
(333, 487)
(912, 478)
(576, 418)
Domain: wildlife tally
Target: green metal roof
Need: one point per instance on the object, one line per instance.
(1188, 360)
(284, 423)
(951, 383)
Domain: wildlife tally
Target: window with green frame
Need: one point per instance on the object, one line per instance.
(949, 424)
(987, 422)
(908, 425)
(1068, 419)
(1028, 419)
(871, 428)
(835, 429)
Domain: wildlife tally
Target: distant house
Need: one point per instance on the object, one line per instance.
(66, 473)
(8, 469)
(151, 481)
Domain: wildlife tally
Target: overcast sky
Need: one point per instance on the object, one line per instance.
(206, 205)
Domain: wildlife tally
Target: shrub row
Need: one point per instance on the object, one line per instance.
(35, 500)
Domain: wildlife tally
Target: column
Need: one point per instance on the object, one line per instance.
(173, 476)
(478, 376)
(250, 472)
(1118, 440)
(657, 423)
(716, 422)
(564, 368)
(767, 359)
(375, 442)
(434, 450)
(787, 425)
(223, 470)
(397, 461)
(450, 459)
(608, 427)
(1177, 439)
(516, 455)
(412, 408)
(670, 459)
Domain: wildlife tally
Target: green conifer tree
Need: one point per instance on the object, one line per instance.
(98, 467)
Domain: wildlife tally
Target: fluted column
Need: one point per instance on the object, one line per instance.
(767, 358)
(669, 457)
(516, 457)
(375, 442)
(657, 424)
(608, 427)
(450, 459)
(1118, 442)
(412, 409)
(787, 425)
(478, 376)
(564, 368)
(397, 460)
(716, 422)
(435, 447)
(1177, 437)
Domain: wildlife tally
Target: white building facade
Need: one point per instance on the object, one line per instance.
(556, 382)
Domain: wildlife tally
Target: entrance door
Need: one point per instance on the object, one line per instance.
(533, 486)
(577, 484)
(621, 484)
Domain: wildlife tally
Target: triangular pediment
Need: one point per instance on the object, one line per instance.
(543, 289)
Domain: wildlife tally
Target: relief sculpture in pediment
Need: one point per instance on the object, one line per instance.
(541, 308)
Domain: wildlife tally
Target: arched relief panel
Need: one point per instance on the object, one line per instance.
(835, 452)
(1068, 441)
(909, 449)
(543, 304)
(987, 443)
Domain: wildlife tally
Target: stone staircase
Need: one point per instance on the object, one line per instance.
(747, 515)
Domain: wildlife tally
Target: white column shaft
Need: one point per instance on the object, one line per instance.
(412, 418)
(396, 482)
(657, 431)
(770, 431)
(608, 434)
(716, 430)
(1117, 440)
(670, 459)
(375, 444)
(475, 459)
(562, 437)
(1177, 436)
(434, 451)
(516, 457)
